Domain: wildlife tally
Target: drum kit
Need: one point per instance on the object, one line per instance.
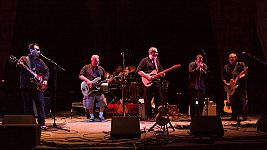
(129, 84)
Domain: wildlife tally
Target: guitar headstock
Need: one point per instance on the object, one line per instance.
(176, 66)
(13, 59)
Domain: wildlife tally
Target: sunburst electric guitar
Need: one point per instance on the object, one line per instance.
(37, 78)
(155, 75)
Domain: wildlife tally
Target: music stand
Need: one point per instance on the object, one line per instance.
(55, 66)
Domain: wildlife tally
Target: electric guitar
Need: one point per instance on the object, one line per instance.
(96, 85)
(227, 107)
(230, 89)
(37, 78)
(154, 74)
(85, 88)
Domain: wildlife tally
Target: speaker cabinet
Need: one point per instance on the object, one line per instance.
(125, 127)
(19, 131)
(141, 111)
(206, 126)
(262, 124)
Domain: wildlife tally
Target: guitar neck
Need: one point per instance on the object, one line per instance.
(240, 74)
(28, 69)
(164, 71)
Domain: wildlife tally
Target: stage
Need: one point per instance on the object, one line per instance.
(77, 133)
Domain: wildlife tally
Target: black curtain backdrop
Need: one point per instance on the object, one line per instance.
(69, 32)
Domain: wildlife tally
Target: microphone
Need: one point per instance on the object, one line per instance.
(203, 51)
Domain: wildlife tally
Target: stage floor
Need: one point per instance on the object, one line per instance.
(77, 133)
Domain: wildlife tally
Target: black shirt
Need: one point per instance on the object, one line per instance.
(37, 66)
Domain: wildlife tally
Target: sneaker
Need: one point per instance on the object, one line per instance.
(102, 119)
(43, 127)
(91, 119)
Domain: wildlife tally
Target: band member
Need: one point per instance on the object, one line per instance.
(32, 88)
(88, 73)
(234, 73)
(145, 67)
(197, 85)
(118, 71)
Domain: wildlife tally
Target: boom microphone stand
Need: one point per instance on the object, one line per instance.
(55, 66)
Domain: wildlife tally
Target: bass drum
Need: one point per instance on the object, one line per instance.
(133, 92)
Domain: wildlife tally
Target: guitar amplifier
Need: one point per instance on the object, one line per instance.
(210, 111)
(141, 111)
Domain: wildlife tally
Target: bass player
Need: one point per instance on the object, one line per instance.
(88, 74)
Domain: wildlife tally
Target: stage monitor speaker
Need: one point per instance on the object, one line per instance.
(18, 119)
(125, 127)
(207, 126)
(19, 131)
(262, 124)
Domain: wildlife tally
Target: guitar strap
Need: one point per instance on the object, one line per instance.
(28, 62)
(155, 62)
(234, 71)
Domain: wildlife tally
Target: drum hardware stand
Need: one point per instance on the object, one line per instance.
(123, 84)
(55, 66)
(178, 104)
(162, 118)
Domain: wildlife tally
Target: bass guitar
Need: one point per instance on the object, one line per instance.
(37, 78)
(154, 75)
(85, 88)
(96, 85)
(231, 86)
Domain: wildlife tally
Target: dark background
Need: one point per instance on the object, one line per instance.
(69, 32)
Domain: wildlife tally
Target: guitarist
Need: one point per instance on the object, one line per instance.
(196, 85)
(239, 99)
(29, 91)
(88, 73)
(145, 67)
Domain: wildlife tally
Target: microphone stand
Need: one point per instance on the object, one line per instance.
(123, 84)
(55, 66)
(255, 58)
(206, 77)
